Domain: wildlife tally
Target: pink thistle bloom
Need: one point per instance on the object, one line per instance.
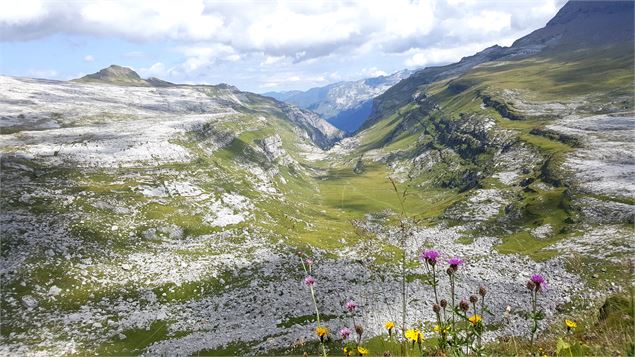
(309, 261)
(429, 256)
(455, 262)
(345, 332)
(540, 282)
(351, 306)
(309, 280)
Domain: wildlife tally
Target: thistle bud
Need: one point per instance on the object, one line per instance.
(473, 299)
(443, 303)
(359, 330)
(436, 308)
(482, 291)
(450, 271)
(464, 305)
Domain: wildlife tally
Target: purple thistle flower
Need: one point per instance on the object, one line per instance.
(455, 262)
(429, 256)
(540, 282)
(351, 306)
(345, 332)
(309, 280)
(309, 261)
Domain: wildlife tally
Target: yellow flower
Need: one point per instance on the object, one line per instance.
(414, 335)
(389, 325)
(362, 351)
(321, 331)
(437, 329)
(475, 319)
(347, 351)
(570, 324)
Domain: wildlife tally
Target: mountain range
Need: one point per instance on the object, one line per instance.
(146, 217)
(346, 105)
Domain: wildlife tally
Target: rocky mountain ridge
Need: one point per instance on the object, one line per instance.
(140, 219)
(344, 104)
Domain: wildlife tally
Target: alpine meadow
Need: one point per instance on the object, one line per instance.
(407, 178)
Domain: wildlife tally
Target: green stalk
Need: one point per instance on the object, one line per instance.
(317, 314)
(534, 297)
(452, 298)
(434, 284)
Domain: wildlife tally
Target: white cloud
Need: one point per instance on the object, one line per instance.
(282, 79)
(280, 43)
(432, 56)
(42, 73)
(16, 13)
(272, 60)
(89, 58)
(372, 72)
(156, 70)
(300, 30)
(200, 56)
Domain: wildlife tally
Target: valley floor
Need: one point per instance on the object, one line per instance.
(170, 229)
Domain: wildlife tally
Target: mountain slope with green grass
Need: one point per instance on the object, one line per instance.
(142, 219)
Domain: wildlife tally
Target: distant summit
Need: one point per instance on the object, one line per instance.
(122, 76)
(343, 104)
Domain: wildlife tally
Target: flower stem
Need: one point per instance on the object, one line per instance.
(317, 315)
(452, 298)
(403, 276)
(534, 297)
(434, 284)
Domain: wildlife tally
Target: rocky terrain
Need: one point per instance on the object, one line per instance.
(144, 217)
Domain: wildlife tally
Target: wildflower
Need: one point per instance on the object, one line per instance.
(539, 282)
(473, 299)
(321, 331)
(359, 330)
(362, 351)
(482, 291)
(439, 330)
(507, 313)
(347, 351)
(443, 303)
(570, 324)
(475, 319)
(351, 306)
(389, 326)
(308, 261)
(345, 332)
(429, 256)
(464, 305)
(454, 263)
(436, 308)
(309, 280)
(414, 335)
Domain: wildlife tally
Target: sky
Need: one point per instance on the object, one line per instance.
(257, 46)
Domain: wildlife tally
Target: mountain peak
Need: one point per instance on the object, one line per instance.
(585, 24)
(118, 71)
(115, 74)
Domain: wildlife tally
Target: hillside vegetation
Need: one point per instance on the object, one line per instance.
(145, 217)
